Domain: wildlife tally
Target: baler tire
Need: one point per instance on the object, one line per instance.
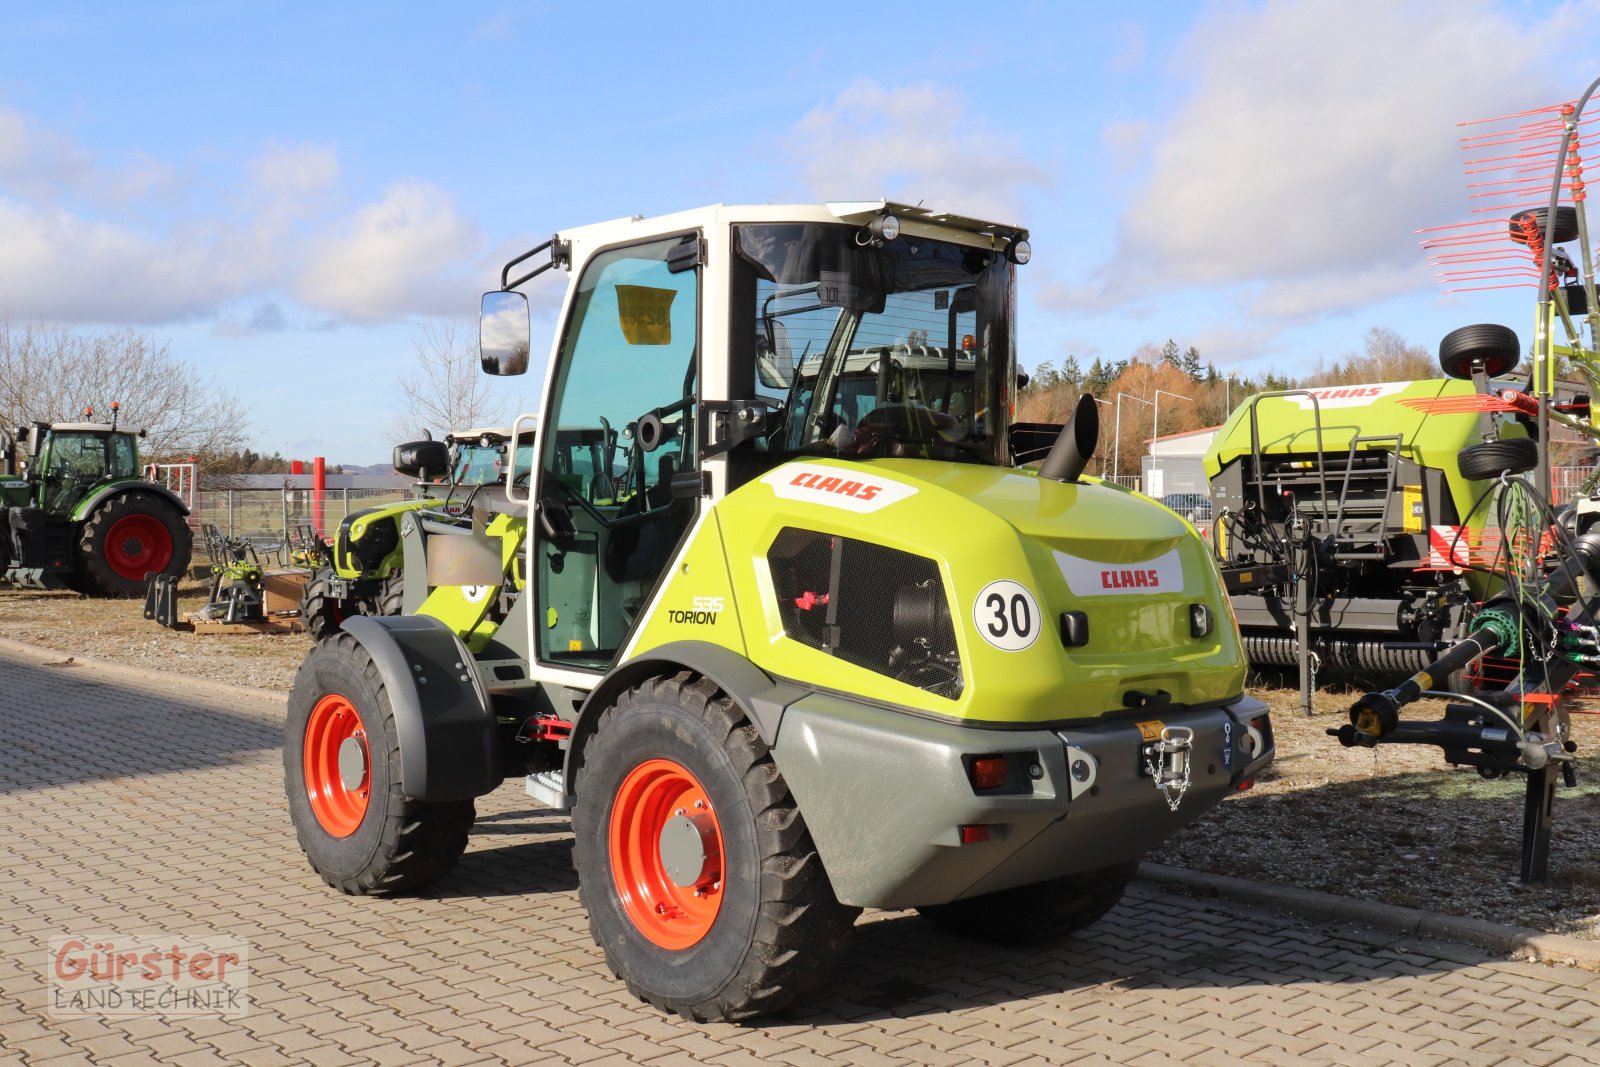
(388, 843)
(104, 563)
(1496, 345)
(321, 613)
(391, 598)
(1489, 459)
(1044, 911)
(775, 928)
(1566, 224)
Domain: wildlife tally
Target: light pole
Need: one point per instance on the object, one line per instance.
(1102, 457)
(1116, 449)
(1155, 424)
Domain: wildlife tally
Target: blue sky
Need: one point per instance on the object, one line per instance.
(284, 191)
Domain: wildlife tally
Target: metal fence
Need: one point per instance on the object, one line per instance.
(265, 515)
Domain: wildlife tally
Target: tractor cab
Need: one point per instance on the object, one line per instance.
(69, 459)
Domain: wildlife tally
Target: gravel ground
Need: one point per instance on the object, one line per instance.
(1395, 825)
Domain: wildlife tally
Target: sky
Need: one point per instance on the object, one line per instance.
(284, 191)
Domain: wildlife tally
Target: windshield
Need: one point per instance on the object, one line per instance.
(893, 348)
(478, 465)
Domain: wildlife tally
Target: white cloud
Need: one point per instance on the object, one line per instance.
(81, 245)
(295, 170)
(912, 143)
(60, 266)
(401, 255)
(1312, 146)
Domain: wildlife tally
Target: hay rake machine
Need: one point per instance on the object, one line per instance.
(1542, 627)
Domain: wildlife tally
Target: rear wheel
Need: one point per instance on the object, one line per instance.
(1490, 459)
(1497, 346)
(1566, 224)
(341, 772)
(130, 536)
(1044, 911)
(321, 613)
(392, 595)
(700, 878)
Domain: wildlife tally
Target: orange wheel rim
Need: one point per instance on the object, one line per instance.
(338, 769)
(666, 854)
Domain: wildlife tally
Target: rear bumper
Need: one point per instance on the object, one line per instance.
(885, 794)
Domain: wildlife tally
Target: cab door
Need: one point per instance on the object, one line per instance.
(618, 426)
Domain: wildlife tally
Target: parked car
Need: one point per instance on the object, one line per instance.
(1196, 507)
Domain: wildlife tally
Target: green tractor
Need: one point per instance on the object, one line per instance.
(364, 572)
(793, 654)
(75, 511)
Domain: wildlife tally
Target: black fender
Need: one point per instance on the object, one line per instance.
(87, 505)
(761, 697)
(449, 745)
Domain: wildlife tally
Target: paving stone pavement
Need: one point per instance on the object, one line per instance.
(146, 806)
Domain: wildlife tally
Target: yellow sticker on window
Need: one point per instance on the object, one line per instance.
(1151, 731)
(645, 314)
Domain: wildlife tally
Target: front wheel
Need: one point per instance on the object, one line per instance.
(700, 878)
(1044, 911)
(341, 772)
(321, 613)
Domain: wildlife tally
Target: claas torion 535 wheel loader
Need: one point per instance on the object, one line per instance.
(807, 640)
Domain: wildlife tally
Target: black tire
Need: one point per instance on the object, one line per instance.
(391, 599)
(400, 843)
(777, 928)
(1042, 912)
(126, 538)
(1496, 345)
(1566, 224)
(321, 613)
(1486, 461)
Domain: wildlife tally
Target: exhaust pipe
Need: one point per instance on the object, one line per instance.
(1075, 445)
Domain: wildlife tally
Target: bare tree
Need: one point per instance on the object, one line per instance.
(1386, 357)
(446, 389)
(51, 374)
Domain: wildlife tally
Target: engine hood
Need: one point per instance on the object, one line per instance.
(1015, 553)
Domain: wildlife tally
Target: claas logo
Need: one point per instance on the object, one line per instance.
(842, 486)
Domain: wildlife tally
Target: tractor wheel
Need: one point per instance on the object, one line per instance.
(1485, 461)
(1566, 224)
(321, 613)
(1044, 911)
(392, 596)
(700, 878)
(341, 772)
(128, 537)
(1496, 345)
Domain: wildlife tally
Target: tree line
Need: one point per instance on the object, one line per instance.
(1193, 393)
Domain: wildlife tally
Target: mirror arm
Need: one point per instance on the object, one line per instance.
(560, 256)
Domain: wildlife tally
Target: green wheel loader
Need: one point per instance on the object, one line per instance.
(365, 574)
(813, 642)
(76, 512)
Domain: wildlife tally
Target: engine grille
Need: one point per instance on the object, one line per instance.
(876, 607)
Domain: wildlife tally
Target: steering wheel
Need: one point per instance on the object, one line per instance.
(900, 423)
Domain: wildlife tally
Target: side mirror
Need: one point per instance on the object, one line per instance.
(417, 459)
(503, 331)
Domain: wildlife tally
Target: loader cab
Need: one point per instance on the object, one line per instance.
(696, 352)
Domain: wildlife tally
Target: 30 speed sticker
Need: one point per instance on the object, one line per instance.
(1006, 615)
